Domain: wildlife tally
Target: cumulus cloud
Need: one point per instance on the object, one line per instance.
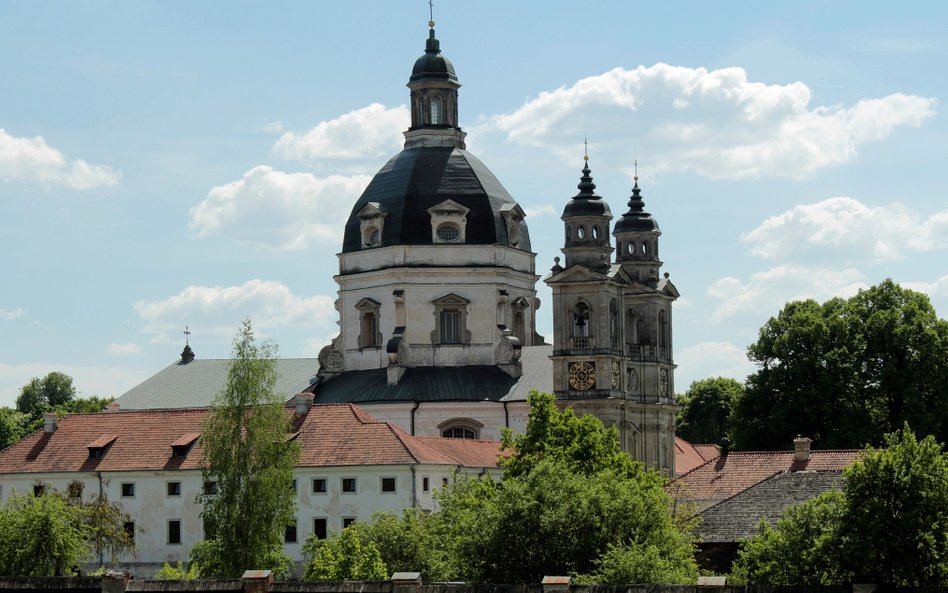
(116, 349)
(215, 312)
(274, 127)
(711, 359)
(849, 227)
(542, 210)
(765, 293)
(11, 314)
(278, 210)
(32, 160)
(372, 131)
(713, 122)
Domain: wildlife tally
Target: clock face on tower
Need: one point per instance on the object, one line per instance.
(582, 375)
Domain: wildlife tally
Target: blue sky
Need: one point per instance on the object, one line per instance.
(171, 163)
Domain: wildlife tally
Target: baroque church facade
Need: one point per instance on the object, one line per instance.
(437, 297)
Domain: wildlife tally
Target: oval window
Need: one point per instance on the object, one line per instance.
(631, 248)
(595, 232)
(581, 232)
(644, 247)
(448, 233)
(372, 237)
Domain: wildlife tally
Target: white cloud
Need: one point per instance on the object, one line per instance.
(277, 209)
(11, 314)
(850, 228)
(715, 123)
(372, 131)
(765, 293)
(116, 349)
(89, 380)
(938, 288)
(215, 312)
(542, 210)
(711, 359)
(32, 160)
(274, 127)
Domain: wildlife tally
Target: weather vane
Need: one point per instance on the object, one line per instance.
(187, 334)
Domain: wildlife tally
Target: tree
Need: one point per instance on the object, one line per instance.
(885, 527)
(343, 558)
(246, 451)
(846, 372)
(706, 408)
(12, 426)
(42, 536)
(55, 389)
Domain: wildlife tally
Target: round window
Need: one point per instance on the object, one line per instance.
(448, 233)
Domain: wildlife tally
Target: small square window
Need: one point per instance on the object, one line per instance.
(444, 482)
(349, 485)
(319, 485)
(174, 531)
(39, 489)
(319, 527)
(210, 487)
(128, 489)
(388, 485)
(129, 527)
(174, 488)
(425, 484)
(294, 485)
(289, 535)
(347, 521)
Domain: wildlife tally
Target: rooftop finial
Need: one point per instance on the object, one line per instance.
(636, 164)
(187, 335)
(431, 22)
(585, 149)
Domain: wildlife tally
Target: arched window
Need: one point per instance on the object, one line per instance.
(459, 432)
(460, 428)
(436, 112)
(662, 330)
(369, 335)
(613, 320)
(581, 320)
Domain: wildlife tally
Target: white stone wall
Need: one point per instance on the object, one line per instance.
(430, 417)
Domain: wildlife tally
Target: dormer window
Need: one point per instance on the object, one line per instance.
(182, 446)
(371, 224)
(448, 222)
(99, 447)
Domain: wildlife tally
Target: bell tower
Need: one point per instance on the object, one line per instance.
(612, 353)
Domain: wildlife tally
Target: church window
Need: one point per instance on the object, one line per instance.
(631, 248)
(369, 335)
(662, 330)
(450, 320)
(448, 233)
(644, 247)
(373, 237)
(436, 112)
(595, 232)
(581, 320)
(614, 321)
(581, 232)
(460, 428)
(371, 222)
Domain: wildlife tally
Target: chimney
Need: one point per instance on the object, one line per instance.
(303, 402)
(257, 581)
(49, 422)
(113, 407)
(801, 448)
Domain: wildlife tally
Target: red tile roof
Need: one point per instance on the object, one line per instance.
(727, 475)
(329, 435)
(688, 456)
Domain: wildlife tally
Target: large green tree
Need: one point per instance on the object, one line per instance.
(887, 526)
(55, 389)
(846, 372)
(706, 408)
(246, 452)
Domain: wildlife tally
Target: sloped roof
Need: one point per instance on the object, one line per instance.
(194, 384)
(426, 384)
(332, 435)
(689, 456)
(737, 518)
(727, 475)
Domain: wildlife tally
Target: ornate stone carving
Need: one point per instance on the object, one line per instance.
(331, 359)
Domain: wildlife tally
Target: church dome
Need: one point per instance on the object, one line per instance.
(636, 219)
(418, 179)
(432, 65)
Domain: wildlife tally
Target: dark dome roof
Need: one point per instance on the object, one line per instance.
(416, 179)
(586, 202)
(432, 65)
(636, 219)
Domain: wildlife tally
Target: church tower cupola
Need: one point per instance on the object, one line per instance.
(586, 218)
(636, 234)
(434, 99)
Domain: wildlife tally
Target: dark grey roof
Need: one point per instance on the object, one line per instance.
(432, 65)
(636, 219)
(427, 384)
(418, 178)
(587, 202)
(194, 385)
(736, 518)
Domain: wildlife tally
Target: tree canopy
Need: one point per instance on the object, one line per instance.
(706, 408)
(247, 454)
(885, 527)
(55, 389)
(846, 372)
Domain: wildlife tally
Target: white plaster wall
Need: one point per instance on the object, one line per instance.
(430, 415)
